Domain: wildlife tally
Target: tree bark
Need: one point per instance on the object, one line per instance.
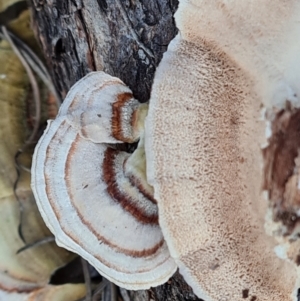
(125, 38)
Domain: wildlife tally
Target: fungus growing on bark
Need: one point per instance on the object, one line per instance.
(206, 153)
(102, 109)
(86, 191)
(230, 60)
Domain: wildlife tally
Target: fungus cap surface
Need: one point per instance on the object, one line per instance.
(203, 138)
(85, 196)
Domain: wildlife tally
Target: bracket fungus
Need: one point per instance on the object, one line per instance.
(92, 195)
(222, 119)
(231, 61)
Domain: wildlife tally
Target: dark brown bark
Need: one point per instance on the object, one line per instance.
(125, 38)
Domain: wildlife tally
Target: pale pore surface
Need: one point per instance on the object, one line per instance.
(259, 35)
(202, 140)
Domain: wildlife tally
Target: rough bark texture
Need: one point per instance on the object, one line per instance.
(125, 38)
(174, 290)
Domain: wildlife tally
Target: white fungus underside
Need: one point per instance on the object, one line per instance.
(126, 271)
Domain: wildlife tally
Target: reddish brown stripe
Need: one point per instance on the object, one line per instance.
(117, 268)
(138, 184)
(75, 101)
(51, 197)
(133, 253)
(117, 117)
(78, 96)
(106, 84)
(52, 201)
(128, 252)
(48, 187)
(82, 130)
(109, 264)
(94, 252)
(125, 201)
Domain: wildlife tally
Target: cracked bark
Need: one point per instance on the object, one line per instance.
(125, 38)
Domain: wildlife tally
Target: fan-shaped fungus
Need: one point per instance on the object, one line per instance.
(203, 140)
(86, 190)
